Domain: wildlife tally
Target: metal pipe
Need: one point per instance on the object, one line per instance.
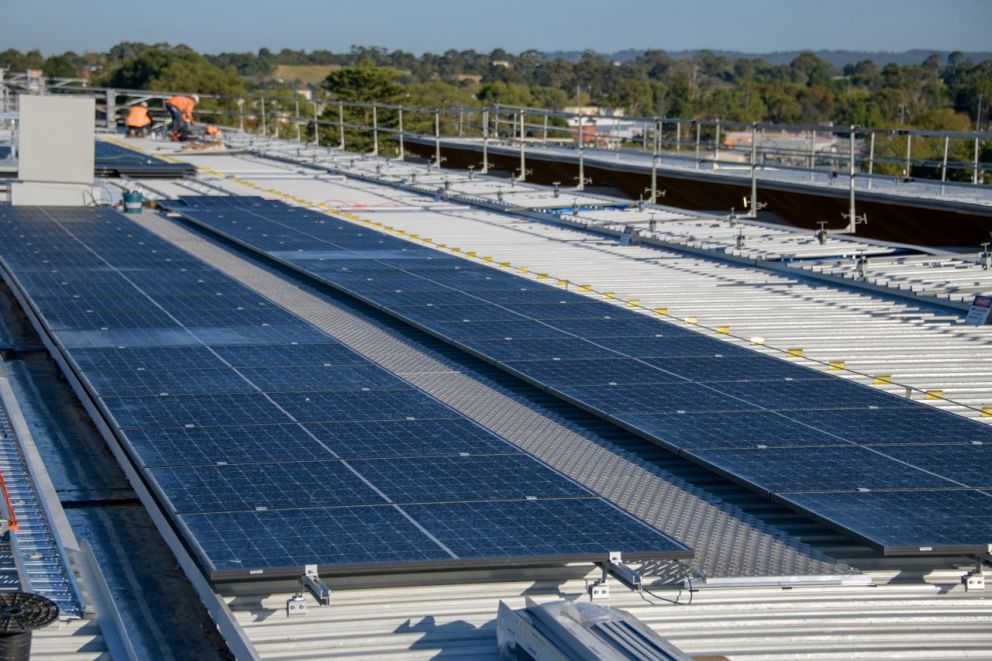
(375, 131)
(402, 146)
(654, 162)
(853, 220)
(716, 146)
(241, 114)
(296, 118)
(485, 140)
(871, 158)
(545, 129)
(437, 137)
(943, 167)
(753, 212)
(909, 155)
(678, 137)
(316, 126)
(812, 155)
(461, 121)
(261, 103)
(111, 110)
(523, 157)
(341, 126)
(698, 136)
(974, 176)
(582, 164)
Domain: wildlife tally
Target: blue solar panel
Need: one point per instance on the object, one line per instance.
(233, 444)
(211, 397)
(817, 414)
(969, 464)
(378, 439)
(832, 468)
(739, 429)
(897, 521)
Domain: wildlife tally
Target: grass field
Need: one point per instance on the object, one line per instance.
(310, 73)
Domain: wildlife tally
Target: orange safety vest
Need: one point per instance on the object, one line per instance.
(184, 104)
(212, 130)
(138, 117)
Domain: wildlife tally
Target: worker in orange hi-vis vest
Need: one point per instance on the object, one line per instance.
(138, 119)
(181, 110)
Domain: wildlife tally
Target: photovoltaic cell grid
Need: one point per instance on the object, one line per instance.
(112, 160)
(811, 440)
(272, 445)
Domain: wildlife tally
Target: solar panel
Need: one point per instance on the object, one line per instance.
(112, 160)
(209, 386)
(746, 415)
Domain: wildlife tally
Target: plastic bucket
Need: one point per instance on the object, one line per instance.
(132, 202)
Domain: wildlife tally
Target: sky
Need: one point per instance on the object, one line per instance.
(754, 26)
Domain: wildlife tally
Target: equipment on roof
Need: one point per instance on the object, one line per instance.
(569, 629)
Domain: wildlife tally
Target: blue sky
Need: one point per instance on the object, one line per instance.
(436, 25)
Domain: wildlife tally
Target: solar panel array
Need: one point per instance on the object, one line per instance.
(113, 160)
(274, 446)
(892, 472)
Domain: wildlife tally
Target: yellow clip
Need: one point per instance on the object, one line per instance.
(987, 411)
(542, 276)
(935, 394)
(522, 269)
(471, 253)
(414, 236)
(757, 339)
(504, 265)
(400, 232)
(661, 311)
(634, 302)
(882, 379)
(837, 365)
(691, 320)
(585, 287)
(455, 249)
(366, 221)
(609, 295)
(725, 330)
(563, 283)
(795, 352)
(487, 259)
(427, 240)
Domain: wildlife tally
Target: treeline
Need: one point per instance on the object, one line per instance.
(937, 93)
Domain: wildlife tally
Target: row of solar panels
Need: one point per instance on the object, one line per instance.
(274, 446)
(113, 160)
(895, 473)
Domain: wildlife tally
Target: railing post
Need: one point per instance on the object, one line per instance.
(296, 119)
(261, 103)
(461, 121)
(812, 155)
(943, 167)
(582, 152)
(698, 138)
(975, 178)
(678, 137)
(485, 140)
(753, 211)
(402, 146)
(523, 157)
(341, 144)
(316, 126)
(654, 160)
(716, 146)
(241, 114)
(375, 131)
(871, 158)
(545, 140)
(909, 155)
(437, 137)
(111, 110)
